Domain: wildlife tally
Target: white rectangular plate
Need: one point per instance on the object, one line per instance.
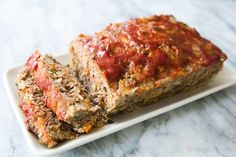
(224, 79)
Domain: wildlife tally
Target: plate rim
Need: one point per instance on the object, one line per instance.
(141, 118)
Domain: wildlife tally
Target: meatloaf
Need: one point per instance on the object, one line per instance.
(142, 60)
(39, 119)
(64, 95)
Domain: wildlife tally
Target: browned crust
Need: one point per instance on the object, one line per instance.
(126, 93)
(126, 98)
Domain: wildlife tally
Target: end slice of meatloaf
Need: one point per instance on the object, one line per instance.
(39, 119)
(142, 60)
(65, 96)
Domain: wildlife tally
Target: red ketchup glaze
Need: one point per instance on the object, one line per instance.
(53, 96)
(41, 78)
(53, 99)
(48, 102)
(28, 111)
(115, 66)
(42, 81)
(32, 62)
(142, 42)
(112, 65)
(157, 59)
(27, 108)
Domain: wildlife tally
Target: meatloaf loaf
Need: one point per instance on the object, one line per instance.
(39, 119)
(142, 60)
(64, 95)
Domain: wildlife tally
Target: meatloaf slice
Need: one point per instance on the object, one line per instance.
(39, 119)
(65, 96)
(142, 60)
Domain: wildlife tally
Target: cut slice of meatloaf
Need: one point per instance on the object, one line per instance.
(39, 119)
(65, 96)
(142, 60)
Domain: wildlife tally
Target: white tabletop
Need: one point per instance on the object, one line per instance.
(206, 127)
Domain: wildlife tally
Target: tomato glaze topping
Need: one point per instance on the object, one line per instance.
(149, 43)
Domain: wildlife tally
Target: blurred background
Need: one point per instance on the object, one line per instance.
(49, 26)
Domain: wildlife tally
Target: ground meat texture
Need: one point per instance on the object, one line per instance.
(64, 94)
(142, 60)
(39, 119)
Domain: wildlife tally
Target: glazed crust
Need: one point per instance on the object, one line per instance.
(142, 60)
